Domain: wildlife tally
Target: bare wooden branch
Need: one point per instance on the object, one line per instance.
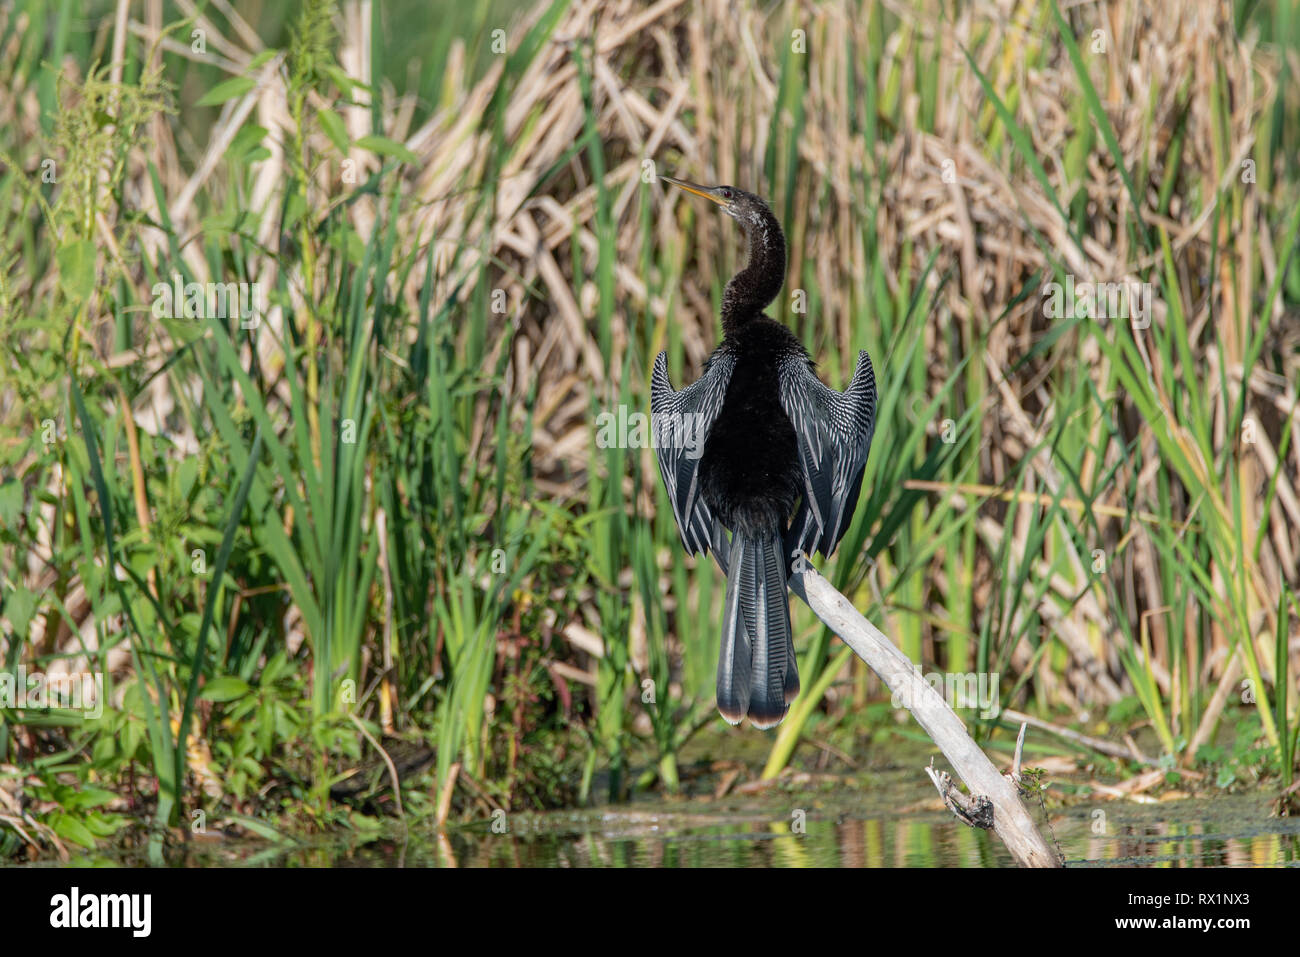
(1011, 822)
(1129, 753)
(1020, 750)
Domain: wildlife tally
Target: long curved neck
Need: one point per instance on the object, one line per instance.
(750, 290)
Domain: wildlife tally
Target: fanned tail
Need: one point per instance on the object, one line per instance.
(757, 673)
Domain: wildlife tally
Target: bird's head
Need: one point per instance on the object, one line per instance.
(736, 203)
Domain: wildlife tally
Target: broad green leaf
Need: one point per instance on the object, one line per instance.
(225, 688)
(386, 147)
(227, 90)
(77, 268)
(332, 124)
(71, 829)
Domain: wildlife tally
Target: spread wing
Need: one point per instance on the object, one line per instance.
(682, 421)
(834, 431)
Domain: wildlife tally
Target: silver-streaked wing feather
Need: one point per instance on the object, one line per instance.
(834, 431)
(682, 421)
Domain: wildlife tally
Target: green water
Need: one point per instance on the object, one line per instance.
(839, 828)
(880, 812)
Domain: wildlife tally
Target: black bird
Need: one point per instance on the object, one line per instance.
(780, 466)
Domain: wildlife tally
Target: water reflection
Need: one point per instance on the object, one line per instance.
(852, 829)
(1228, 832)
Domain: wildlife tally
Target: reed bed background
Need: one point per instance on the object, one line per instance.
(371, 534)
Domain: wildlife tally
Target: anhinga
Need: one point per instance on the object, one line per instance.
(775, 438)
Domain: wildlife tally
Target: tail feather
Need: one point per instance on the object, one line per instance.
(791, 683)
(734, 658)
(757, 674)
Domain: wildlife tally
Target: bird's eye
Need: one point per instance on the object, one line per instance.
(726, 193)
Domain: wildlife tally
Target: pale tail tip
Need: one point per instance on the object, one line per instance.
(764, 722)
(733, 718)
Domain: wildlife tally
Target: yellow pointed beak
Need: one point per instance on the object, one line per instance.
(711, 194)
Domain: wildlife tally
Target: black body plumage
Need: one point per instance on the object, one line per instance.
(780, 468)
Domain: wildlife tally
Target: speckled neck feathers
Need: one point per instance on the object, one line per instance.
(754, 287)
